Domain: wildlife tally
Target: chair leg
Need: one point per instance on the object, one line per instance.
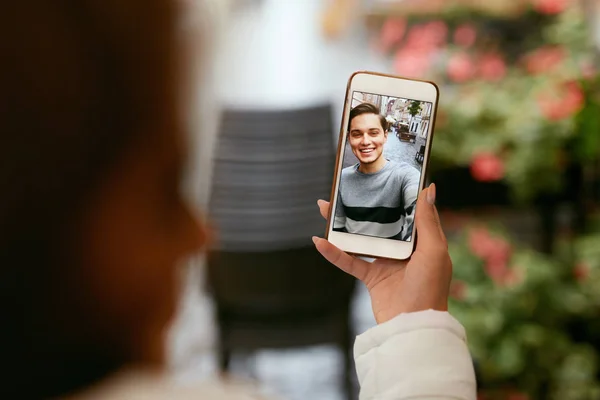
(349, 372)
(223, 349)
(224, 358)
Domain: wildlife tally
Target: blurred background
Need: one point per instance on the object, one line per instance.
(515, 158)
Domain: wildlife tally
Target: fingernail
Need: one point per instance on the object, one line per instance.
(431, 194)
(315, 239)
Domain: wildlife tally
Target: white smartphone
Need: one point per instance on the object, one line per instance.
(383, 152)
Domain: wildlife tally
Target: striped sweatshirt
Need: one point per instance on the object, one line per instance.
(380, 204)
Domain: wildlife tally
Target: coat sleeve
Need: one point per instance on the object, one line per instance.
(420, 355)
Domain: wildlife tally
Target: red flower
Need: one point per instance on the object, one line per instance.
(465, 35)
(497, 271)
(500, 253)
(497, 263)
(437, 32)
(544, 59)
(461, 67)
(481, 242)
(492, 67)
(581, 272)
(496, 252)
(392, 32)
(551, 6)
(588, 70)
(458, 290)
(562, 103)
(487, 167)
(412, 63)
(427, 37)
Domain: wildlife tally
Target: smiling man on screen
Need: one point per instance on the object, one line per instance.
(377, 196)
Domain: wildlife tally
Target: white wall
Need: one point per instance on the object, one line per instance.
(274, 56)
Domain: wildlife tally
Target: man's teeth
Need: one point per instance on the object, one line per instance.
(366, 151)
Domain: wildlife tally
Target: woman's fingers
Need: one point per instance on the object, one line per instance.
(351, 265)
(323, 208)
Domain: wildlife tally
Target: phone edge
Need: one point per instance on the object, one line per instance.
(338, 154)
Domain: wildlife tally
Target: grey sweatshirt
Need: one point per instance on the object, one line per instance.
(380, 204)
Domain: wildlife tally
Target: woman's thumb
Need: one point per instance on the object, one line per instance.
(427, 220)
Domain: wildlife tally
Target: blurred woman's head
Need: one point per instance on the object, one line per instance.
(91, 218)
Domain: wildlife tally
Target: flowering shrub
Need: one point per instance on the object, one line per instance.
(517, 306)
(520, 100)
(508, 111)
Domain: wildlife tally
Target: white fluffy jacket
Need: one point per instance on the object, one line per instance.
(421, 355)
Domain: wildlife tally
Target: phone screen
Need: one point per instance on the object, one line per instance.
(382, 166)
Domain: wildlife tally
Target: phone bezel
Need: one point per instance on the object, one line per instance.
(386, 85)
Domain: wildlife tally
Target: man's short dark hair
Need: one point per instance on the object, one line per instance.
(368, 108)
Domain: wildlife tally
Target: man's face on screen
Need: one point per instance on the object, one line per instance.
(367, 138)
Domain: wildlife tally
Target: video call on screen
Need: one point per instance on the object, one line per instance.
(382, 163)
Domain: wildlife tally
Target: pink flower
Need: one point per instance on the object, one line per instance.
(497, 263)
(544, 59)
(461, 67)
(427, 37)
(551, 7)
(588, 70)
(500, 253)
(412, 63)
(392, 32)
(465, 35)
(480, 242)
(417, 39)
(458, 290)
(581, 272)
(562, 103)
(487, 167)
(496, 252)
(492, 67)
(497, 271)
(436, 32)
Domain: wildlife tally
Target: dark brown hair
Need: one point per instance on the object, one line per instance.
(81, 81)
(368, 108)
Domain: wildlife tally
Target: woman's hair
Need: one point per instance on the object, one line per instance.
(368, 108)
(81, 82)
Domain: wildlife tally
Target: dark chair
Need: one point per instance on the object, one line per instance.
(281, 299)
(271, 287)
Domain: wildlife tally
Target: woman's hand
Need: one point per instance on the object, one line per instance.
(397, 287)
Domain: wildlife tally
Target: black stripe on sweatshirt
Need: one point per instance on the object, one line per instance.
(381, 215)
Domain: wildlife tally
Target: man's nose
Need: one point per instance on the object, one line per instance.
(365, 140)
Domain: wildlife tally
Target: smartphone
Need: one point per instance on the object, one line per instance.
(383, 152)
